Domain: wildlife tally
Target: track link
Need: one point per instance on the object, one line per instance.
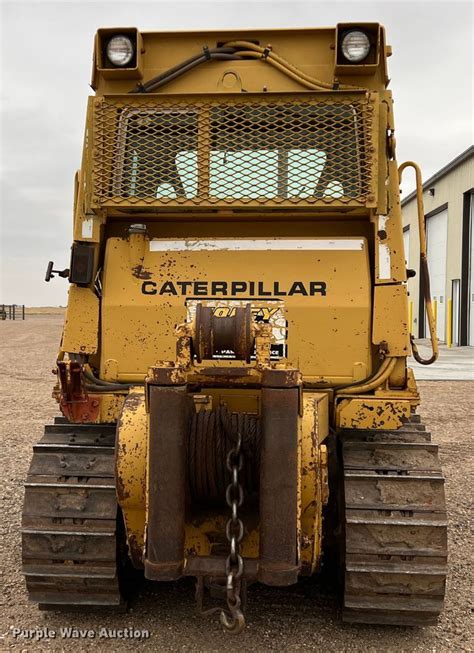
(395, 527)
(69, 524)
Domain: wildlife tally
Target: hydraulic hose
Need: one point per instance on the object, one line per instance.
(266, 54)
(287, 72)
(99, 385)
(379, 377)
(238, 50)
(182, 68)
(185, 69)
(95, 380)
(93, 383)
(115, 389)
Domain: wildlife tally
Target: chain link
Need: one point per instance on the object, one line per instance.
(233, 619)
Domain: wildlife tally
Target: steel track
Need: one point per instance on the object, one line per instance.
(395, 527)
(69, 524)
(395, 523)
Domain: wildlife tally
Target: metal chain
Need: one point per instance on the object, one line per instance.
(233, 619)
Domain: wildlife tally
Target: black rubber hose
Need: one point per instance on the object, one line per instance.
(151, 86)
(107, 385)
(181, 68)
(185, 69)
(95, 380)
(186, 62)
(102, 388)
(143, 88)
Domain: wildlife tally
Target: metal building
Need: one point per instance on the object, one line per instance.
(448, 200)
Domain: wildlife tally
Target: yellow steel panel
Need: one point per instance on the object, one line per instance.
(313, 477)
(200, 535)
(323, 293)
(390, 266)
(81, 325)
(390, 321)
(373, 413)
(131, 487)
(131, 455)
(110, 407)
(311, 50)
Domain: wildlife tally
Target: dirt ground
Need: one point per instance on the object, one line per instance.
(278, 620)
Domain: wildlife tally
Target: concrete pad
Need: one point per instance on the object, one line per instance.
(453, 364)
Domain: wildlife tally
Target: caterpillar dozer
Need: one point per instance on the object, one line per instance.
(232, 376)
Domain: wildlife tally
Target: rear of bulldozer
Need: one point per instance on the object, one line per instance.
(232, 376)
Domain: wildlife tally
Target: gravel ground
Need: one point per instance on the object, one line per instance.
(283, 620)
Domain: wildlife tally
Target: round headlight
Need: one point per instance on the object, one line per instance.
(120, 50)
(355, 46)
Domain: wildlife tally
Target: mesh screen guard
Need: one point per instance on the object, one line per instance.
(224, 151)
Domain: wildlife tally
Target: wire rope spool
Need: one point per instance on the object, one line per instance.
(211, 436)
(229, 336)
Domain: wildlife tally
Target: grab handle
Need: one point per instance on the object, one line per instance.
(425, 275)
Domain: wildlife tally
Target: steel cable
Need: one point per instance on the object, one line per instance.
(212, 434)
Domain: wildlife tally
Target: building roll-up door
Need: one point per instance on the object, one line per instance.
(471, 272)
(436, 235)
(406, 245)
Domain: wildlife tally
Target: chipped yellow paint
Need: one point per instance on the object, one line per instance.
(138, 323)
(195, 541)
(200, 531)
(131, 455)
(391, 235)
(372, 413)
(203, 533)
(313, 478)
(390, 323)
(110, 407)
(81, 325)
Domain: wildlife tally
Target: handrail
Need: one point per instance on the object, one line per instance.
(425, 275)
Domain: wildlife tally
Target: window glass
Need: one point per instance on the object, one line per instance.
(304, 170)
(244, 174)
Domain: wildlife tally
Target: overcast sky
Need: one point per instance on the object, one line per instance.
(46, 50)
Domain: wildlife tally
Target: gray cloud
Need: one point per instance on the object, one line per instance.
(46, 59)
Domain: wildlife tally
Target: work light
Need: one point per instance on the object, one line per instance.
(120, 50)
(355, 46)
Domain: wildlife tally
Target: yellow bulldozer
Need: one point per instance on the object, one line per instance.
(232, 374)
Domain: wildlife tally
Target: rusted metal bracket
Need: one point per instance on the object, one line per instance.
(75, 402)
(199, 342)
(279, 478)
(168, 428)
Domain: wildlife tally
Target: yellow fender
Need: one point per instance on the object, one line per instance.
(130, 465)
